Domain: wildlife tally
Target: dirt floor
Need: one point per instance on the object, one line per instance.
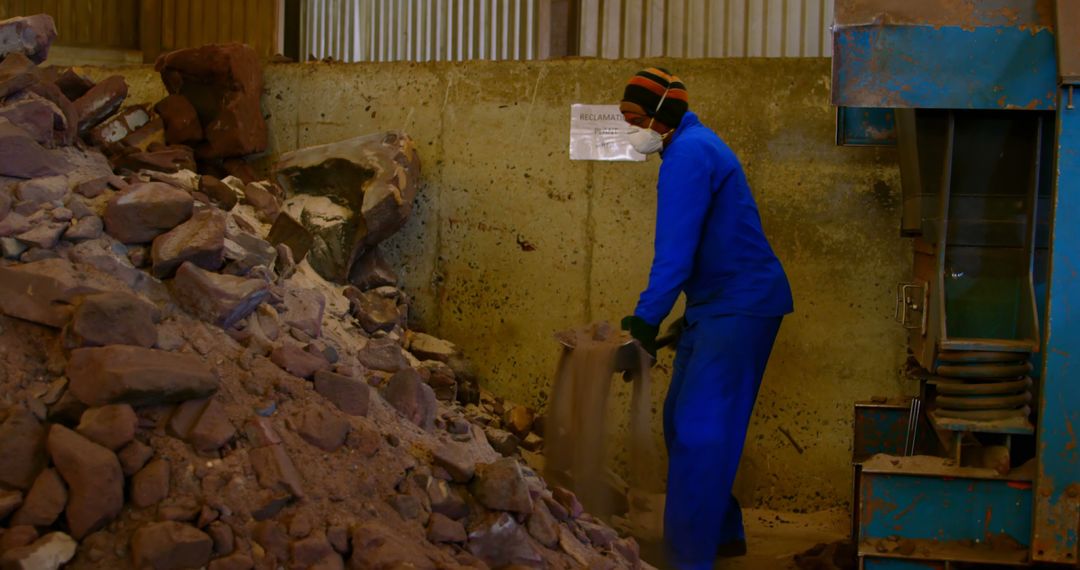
(774, 538)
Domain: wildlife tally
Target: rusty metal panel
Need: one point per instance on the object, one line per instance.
(1032, 15)
(943, 67)
(1068, 41)
(1057, 503)
(944, 54)
(910, 512)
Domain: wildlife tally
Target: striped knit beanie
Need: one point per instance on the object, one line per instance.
(647, 87)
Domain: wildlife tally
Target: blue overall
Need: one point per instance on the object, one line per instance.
(710, 246)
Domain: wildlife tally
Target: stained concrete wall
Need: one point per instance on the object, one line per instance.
(511, 241)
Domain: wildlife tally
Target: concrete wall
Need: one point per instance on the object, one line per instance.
(511, 241)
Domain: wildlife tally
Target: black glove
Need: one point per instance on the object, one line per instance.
(643, 332)
(673, 333)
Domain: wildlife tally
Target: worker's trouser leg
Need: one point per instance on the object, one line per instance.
(718, 370)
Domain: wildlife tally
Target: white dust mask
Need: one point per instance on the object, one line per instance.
(644, 139)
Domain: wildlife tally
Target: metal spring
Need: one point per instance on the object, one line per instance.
(983, 385)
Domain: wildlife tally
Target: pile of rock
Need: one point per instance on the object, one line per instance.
(180, 387)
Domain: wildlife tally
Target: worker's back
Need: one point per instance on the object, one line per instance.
(735, 270)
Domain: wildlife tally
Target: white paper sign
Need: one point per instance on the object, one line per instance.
(598, 132)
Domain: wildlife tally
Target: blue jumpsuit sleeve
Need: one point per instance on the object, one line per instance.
(684, 194)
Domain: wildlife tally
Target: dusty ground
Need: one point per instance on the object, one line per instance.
(774, 538)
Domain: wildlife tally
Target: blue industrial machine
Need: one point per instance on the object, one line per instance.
(983, 467)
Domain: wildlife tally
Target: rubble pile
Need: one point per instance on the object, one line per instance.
(203, 369)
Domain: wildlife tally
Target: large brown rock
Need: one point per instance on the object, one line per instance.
(408, 394)
(114, 317)
(50, 552)
(376, 546)
(378, 309)
(323, 428)
(212, 430)
(100, 101)
(427, 347)
(384, 355)
(22, 157)
(275, 471)
(501, 486)
(22, 449)
(30, 36)
(265, 199)
(150, 485)
(16, 74)
(304, 310)
(94, 478)
(350, 395)
(39, 117)
(112, 426)
(182, 124)
(145, 211)
(222, 300)
(44, 502)
(200, 240)
(445, 500)
(46, 291)
(170, 545)
(371, 270)
(137, 376)
(221, 195)
(444, 529)
(73, 85)
(543, 526)
(224, 84)
(297, 361)
(356, 193)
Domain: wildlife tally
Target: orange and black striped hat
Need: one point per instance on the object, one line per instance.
(648, 87)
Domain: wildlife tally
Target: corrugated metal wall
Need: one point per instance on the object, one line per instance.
(96, 23)
(419, 30)
(427, 30)
(705, 28)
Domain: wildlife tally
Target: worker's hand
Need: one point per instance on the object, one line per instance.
(673, 333)
(643, 332)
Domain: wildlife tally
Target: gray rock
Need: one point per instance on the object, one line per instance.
(222, 300)
(29, 35)
(500, 541)
(357, 193)
(145, 211)
(199, 241)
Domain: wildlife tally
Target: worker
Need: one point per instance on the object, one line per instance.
(710, 245)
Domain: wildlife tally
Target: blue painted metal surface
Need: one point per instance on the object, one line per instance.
(860, 126)
(943, 509)
(1058, 482)
(944, 67)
